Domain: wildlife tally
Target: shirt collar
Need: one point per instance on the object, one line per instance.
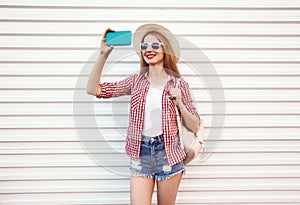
(171, 77)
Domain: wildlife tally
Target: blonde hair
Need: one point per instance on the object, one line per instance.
(170, 60)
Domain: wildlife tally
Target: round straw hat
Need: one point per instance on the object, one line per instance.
(144, 29)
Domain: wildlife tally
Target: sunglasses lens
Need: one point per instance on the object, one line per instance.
(144, 46)
(155, 45)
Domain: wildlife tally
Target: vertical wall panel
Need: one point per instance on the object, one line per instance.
(44, 47)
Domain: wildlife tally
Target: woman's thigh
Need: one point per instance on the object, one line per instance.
(141, 190)
(167, 189)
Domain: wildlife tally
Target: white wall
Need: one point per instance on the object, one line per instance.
(253, 46)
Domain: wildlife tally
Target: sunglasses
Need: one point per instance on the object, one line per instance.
(154, 45)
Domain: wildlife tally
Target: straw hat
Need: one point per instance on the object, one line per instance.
(144, 29)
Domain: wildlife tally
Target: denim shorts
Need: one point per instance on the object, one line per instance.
(153, 161)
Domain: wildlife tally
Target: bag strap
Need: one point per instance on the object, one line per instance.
(178, 118)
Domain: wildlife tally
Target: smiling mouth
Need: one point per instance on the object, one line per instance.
(150, 55)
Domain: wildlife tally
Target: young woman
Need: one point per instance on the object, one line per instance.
(152, 140)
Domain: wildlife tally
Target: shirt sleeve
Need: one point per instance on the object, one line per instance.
(116, 89)
(187, 99)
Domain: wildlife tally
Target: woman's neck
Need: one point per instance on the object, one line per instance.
(157, 76)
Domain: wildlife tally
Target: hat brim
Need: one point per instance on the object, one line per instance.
(144, 29)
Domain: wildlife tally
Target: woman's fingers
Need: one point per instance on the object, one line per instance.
(104, 34)
(175, 92)
(106, 49)
(107, 31)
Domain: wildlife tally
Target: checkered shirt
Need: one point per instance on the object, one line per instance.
(137, 86)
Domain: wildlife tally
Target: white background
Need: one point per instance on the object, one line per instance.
(254, 47)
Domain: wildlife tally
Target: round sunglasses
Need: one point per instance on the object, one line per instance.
(154, 45)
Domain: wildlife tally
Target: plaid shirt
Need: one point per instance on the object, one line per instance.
(137, 86)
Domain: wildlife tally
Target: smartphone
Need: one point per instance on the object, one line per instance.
(118, 38)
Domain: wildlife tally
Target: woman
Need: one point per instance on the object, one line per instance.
(152, 140)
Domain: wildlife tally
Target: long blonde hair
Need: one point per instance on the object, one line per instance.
(170, 60)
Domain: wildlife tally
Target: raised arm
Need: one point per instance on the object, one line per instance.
(93, 87)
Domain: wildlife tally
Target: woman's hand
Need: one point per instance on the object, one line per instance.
(104, 49)
(175, 93)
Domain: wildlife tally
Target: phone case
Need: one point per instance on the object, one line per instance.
(118, 38)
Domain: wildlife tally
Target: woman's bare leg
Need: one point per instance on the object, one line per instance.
(167, 190)
(141, 190)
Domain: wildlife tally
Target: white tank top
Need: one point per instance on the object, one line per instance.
(153, 112)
